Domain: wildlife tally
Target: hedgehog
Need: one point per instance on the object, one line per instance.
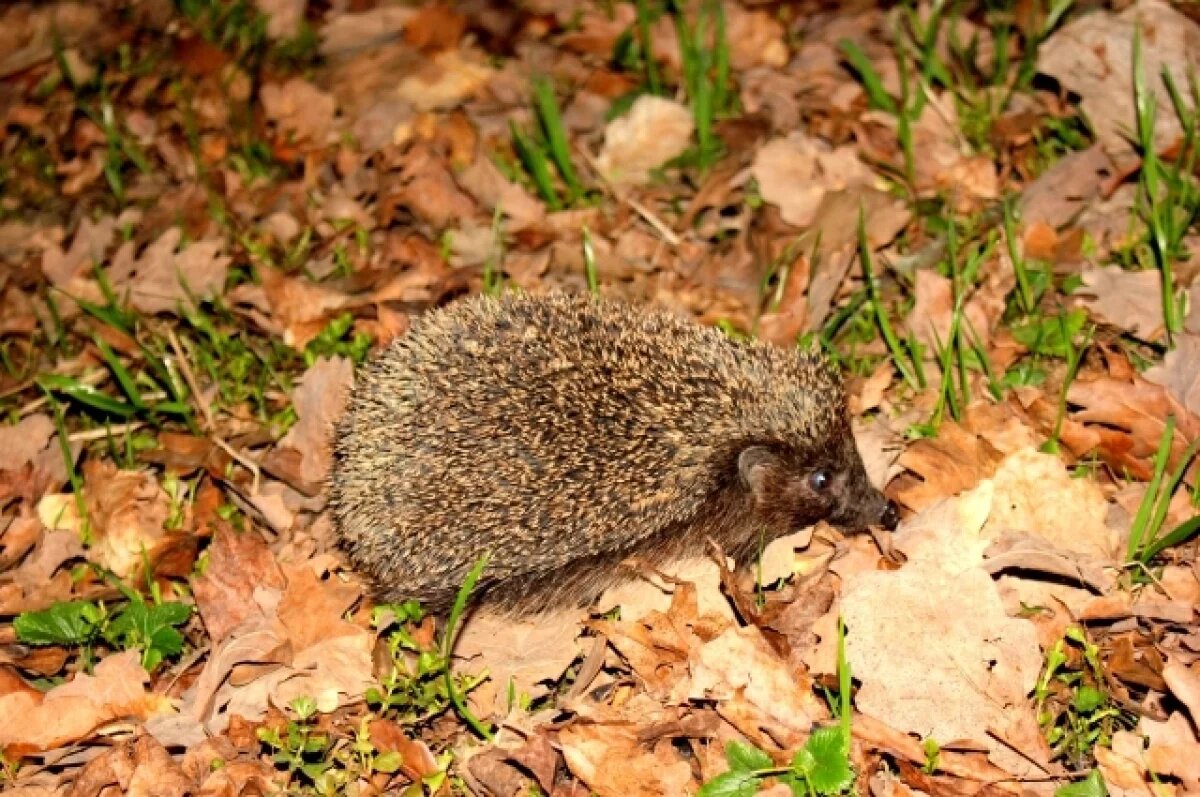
(565, 434)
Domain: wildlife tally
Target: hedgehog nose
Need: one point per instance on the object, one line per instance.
(890, 517)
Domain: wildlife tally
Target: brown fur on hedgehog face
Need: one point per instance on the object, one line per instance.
(789, 489)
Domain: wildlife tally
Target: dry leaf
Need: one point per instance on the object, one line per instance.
(1092, 57)
(796, 172)
(444, 81)
(167, 275)
(1179, 372)
(1130, 300)
(528, 654)
(319, 400)
(654, 131)
(31, 720)
(302, 112)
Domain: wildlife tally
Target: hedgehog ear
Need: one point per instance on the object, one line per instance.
(755, 464)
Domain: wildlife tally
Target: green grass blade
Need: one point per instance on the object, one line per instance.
(86, 394)
(1179, 535)
(535, 163)
(124, 378)
(1141, 520)
(556, 135)
(877, 95)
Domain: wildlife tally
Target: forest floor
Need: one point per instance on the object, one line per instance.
(211, 211)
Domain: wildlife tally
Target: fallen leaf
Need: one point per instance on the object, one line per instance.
(1179, 372)
(645, 770)
(1034, 492)
(31, 720)
(796, 172)
(494, 191)
(168, 274)
(302, 112)
(941, 466)
(1092, 56)
(319, 400)
(526, 655)
(1129, 300)
(239, 562)
(654, 131)
(929, 669)
(444, 81)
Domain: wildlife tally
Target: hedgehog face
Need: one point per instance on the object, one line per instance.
(790, 489)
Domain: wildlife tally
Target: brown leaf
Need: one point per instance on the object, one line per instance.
(1092, 56)
(1179, 372)
(435, 27)
(942, 466)
(527, 653)
(796, 172)
(590, 751)
(654, 131)
(302, 112)
(31, 720)
(128, 510)
(319, 400)
(1130, 300)
(167, 275)
(140, 767)
(238, 564)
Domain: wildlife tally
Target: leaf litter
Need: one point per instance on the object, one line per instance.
(211, 213)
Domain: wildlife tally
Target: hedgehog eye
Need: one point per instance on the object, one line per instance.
(820, 479)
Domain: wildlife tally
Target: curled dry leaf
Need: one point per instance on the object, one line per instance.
(653, 132)
(1122, 419)
(32, 720)
(941, 466)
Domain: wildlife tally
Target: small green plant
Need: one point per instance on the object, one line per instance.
(704, 52)
(414, 689)
(1168, 196)
(151, 627)
(319, 762)
(1146, 540)
(1073, 707)
(933, 754)
(1075, 353)
(421, 683)
(333, 341)
(820, 767)
(1091, 786)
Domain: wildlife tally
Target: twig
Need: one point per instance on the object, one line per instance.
(654, 221)
(99, 434)
(209, 424)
